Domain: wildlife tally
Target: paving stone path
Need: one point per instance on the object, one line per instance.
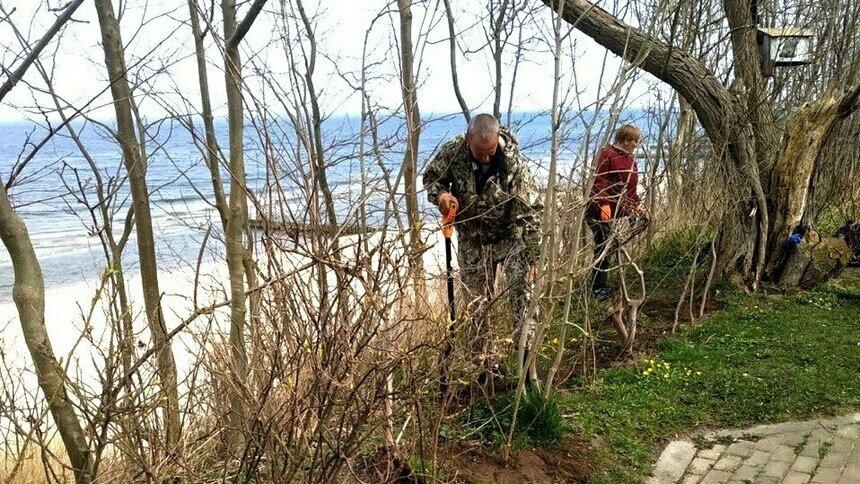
(814, 451)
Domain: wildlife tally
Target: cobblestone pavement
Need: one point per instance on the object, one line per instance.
(814, 451)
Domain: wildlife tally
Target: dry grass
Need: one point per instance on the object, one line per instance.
(29, 466)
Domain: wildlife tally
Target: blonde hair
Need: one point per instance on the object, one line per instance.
(627, 132)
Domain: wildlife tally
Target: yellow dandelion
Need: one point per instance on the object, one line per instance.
(698, 373)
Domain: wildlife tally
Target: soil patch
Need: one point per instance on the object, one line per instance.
(566, 462)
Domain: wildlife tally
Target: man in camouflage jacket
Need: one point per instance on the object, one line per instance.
(498, 217)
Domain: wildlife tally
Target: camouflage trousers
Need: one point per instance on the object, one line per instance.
(478, 264)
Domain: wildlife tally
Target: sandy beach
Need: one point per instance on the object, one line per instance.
(69, 313)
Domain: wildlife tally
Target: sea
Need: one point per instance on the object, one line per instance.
(55, 192)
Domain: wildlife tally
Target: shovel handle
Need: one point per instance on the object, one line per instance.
(448, 221)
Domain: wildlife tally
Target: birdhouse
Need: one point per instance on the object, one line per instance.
(787, 46)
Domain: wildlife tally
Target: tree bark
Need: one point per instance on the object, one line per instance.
(29, 296)
(805, 135)
(212, 150)
(410, 156)
(498, 49)
(236, 220)
(685, 129)
(136, 167)
(238, 257)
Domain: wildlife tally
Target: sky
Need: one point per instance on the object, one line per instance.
(160, 51)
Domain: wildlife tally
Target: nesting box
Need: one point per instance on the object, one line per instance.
(787, 46)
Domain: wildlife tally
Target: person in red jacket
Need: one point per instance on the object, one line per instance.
(613, 195)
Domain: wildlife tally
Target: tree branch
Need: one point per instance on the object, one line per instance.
(34, 54)
(246, 23)
(708, 96)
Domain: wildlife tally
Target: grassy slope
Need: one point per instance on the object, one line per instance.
(765, 358)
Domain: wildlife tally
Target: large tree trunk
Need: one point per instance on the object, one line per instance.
(136, 167)
(410, 156)
(792, 176)
(29, 296)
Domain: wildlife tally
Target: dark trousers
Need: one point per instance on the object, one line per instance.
(600, 268)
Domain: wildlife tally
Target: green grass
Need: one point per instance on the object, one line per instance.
(539, 420)
(765, 358)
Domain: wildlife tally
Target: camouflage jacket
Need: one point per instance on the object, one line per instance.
(508, 205)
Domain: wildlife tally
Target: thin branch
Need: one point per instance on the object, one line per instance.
(34, 54)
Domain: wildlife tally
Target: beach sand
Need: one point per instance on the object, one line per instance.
(67, 307)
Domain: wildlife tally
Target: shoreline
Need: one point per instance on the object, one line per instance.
(68, 313)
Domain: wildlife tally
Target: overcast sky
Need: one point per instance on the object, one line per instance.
(160, 48)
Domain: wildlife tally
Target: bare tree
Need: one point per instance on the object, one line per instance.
(237, 219)
(29, 293)
(452, 40)
(750, 156)
(135, 164)
(413, 136)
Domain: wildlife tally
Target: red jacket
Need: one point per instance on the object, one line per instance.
(615, 183)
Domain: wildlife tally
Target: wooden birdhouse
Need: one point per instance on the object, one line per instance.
(789, 46)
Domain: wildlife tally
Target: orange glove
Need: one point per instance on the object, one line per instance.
(448, 221)
(605, 212)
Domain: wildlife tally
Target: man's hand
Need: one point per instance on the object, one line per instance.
(446, 201)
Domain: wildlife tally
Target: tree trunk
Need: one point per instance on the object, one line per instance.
(685, 129)
(238, 257)
(723, 115)
(498, 49)
(805, 135)
(410, 157)
(212, 150)
(136, 167)
(29, 296)
(236, 220)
